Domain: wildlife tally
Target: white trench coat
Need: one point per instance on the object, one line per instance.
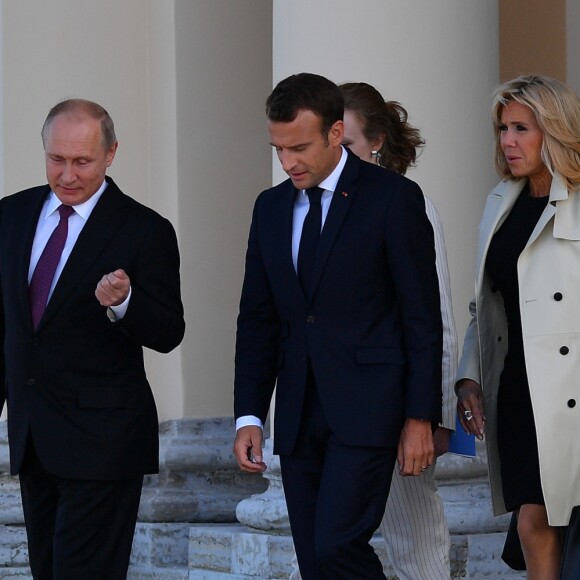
(549, 283)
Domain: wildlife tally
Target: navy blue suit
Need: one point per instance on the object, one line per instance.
(367, 340)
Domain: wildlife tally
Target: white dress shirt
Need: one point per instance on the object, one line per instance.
(47, 222)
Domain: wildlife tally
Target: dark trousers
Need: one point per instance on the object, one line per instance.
(571, 554)
(336, 496)
(77, 528)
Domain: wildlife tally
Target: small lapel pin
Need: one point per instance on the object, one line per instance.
(344, 194)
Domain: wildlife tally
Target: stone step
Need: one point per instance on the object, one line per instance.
(233, 552)
(13, 553)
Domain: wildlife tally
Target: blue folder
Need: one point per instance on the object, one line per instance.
(460, 442)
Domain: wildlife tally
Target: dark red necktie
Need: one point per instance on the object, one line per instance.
(45, 268)
(309, 238)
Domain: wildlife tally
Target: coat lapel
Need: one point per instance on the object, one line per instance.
(500, 201)
(566, 209)
(289, 272)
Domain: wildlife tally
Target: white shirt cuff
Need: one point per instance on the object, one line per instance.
(121, 309)
(247, 420)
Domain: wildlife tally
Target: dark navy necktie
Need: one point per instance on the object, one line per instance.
(45, 268)
(309, 238)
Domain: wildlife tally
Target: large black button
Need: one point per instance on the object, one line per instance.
(499, 339)
(558, 296)
(572, 403)
(35, 341)
(564, 350)
(31, 382)
(310, 319)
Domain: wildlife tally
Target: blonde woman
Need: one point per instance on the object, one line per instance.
(519, 379)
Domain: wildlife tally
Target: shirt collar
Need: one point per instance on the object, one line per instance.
(82, 209)
(329, 184)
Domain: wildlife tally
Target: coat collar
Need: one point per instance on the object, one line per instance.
(499, 203)
(567, 210)
(562, 205)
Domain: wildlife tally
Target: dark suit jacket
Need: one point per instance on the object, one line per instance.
(371, 327)
(78, 383)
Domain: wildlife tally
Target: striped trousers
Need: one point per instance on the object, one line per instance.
(415, 529)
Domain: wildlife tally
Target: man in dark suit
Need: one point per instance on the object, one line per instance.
(88, 277)
(346, 322)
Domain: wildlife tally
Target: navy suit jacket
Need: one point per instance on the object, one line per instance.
(371, 326)
(78, 383)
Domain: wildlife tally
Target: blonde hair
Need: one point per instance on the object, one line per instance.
(556, 108)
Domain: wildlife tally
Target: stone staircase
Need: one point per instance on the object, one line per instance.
(188, 528)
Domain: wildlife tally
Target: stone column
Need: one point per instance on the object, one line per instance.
(267, 511)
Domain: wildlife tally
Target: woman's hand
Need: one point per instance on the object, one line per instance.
(470, 407)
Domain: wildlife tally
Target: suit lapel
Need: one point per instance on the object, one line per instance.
(22, 249)
(104, 220)
(287, 220)
(339, 206)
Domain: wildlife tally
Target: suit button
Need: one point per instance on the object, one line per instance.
(499, 338)
(494, 288)
(558, 296)
(310, 319)
(572, 403)
(31, 382)
(35, 341)
(564, 350)
(305, 359)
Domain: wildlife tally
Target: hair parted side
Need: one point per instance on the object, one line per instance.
(306, 91)
(556, 108)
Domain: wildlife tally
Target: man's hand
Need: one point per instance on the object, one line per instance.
(441, 440)
(113, 288)
(416, 451)
(470, 407)
(248, 449)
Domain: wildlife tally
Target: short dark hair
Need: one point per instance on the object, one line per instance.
(90, 108)
(306, 91)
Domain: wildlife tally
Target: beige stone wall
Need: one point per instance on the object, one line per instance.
(223, 72)
(573, 44)
(440, 60)
(533, 38)
(185, 84)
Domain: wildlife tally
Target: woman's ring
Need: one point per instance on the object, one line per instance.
(468, 415)
(423, 467)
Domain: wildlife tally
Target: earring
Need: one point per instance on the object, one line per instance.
(377, 156)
